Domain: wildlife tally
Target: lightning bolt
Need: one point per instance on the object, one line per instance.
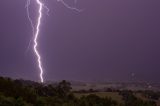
(40, 4)
(31, 22)
(69, 7)
(36, 29)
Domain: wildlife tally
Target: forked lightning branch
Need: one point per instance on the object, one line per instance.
(36, 29)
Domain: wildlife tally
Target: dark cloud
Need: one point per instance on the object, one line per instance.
(109, 40)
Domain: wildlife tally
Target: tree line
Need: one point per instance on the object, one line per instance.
(18, 93)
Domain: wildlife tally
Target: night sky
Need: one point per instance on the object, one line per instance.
(111, 40)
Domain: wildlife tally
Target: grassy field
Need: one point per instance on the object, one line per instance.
(114, 95)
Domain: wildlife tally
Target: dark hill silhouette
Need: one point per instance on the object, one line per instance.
(29, 93)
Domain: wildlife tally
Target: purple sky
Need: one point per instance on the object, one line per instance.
(109, 40)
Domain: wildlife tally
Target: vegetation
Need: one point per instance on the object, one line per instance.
(131, 100)
(27, 93)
